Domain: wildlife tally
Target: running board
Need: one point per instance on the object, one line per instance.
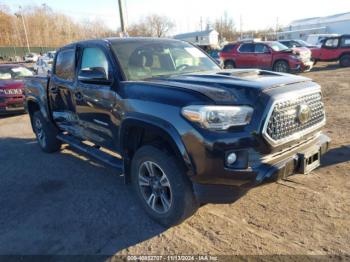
(92, 151)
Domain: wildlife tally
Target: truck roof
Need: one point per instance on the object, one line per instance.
(122, 39)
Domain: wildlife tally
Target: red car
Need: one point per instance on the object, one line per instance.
(265, 55)
(334, 49)
(11, 87)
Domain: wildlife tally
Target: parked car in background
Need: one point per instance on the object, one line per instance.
(299, 47)
(43, 66)
(187, 132)
(316, 39)
(31, 58)
(293, 43)
(49, 55)
(334, 49)
(270, 55)
(11, 87)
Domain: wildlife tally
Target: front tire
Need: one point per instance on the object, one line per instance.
(162, 186)
(229, 65)
(45, 133)
(281, 67)
(345, 61)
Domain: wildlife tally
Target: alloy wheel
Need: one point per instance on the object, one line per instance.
(40, 132)
(281, 67)
(155, 187)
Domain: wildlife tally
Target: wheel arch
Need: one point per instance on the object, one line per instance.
(230, 60)
(33, 105)
(343, 54)
(148, 130)
(279, 60)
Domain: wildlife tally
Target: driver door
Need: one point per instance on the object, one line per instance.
(263, 56)
(95, 99)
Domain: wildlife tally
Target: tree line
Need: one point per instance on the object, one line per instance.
(45, 27)
(49, 28)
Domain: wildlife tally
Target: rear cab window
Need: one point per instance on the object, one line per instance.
(65, 64)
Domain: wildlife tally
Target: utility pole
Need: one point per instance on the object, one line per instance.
(122, 18)
(277, 22)
(241, 26)
(20, 15)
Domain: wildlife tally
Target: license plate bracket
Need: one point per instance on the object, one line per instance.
(310, 161)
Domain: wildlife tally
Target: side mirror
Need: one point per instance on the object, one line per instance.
(93, 75)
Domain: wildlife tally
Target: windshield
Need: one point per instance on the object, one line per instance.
(276, 46)
(8, 73)
(147, 59)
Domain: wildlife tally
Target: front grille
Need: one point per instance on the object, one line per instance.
(293, 116)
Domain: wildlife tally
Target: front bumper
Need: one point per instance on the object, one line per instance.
(302, 66)
(267, 168)
(10, 105)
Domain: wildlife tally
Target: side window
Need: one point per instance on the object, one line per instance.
(65, 64)
(260, 48)
(345, 41)
(331, 43)
(228, 48)
(247, 48)
(94, 57)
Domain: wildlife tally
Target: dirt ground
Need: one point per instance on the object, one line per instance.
(66, 203)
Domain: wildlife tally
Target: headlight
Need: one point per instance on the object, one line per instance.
(218, 117)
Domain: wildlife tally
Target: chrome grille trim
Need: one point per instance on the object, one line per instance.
(292, 129)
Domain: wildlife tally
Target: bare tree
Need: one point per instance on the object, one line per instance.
(226, 27)
(160, 25)
(47, 27)
(152, 25)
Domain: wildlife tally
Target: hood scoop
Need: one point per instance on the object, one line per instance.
(248, 74)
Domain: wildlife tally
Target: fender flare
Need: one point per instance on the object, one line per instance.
(141, 120)
(43, 110)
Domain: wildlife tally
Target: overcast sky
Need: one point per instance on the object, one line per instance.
(256, 14)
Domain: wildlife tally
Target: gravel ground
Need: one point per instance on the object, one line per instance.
(67, 203)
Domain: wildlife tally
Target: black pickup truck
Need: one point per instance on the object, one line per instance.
(178, 128)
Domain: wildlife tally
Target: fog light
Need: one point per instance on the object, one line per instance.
(231, 158)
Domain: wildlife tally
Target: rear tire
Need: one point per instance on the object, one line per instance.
(45, 133)
(229, 65)
(344, 61)
(162, 186)
(281, 67)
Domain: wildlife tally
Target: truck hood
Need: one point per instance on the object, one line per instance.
(229, 85)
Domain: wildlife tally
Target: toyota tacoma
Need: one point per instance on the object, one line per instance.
(180, 130)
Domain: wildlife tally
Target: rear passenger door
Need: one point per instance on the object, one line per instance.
(62, 88)
(245, 56)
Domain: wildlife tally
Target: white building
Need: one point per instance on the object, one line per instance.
(201, 38)
(300, 29)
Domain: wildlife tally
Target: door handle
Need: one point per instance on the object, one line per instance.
(78, 96)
